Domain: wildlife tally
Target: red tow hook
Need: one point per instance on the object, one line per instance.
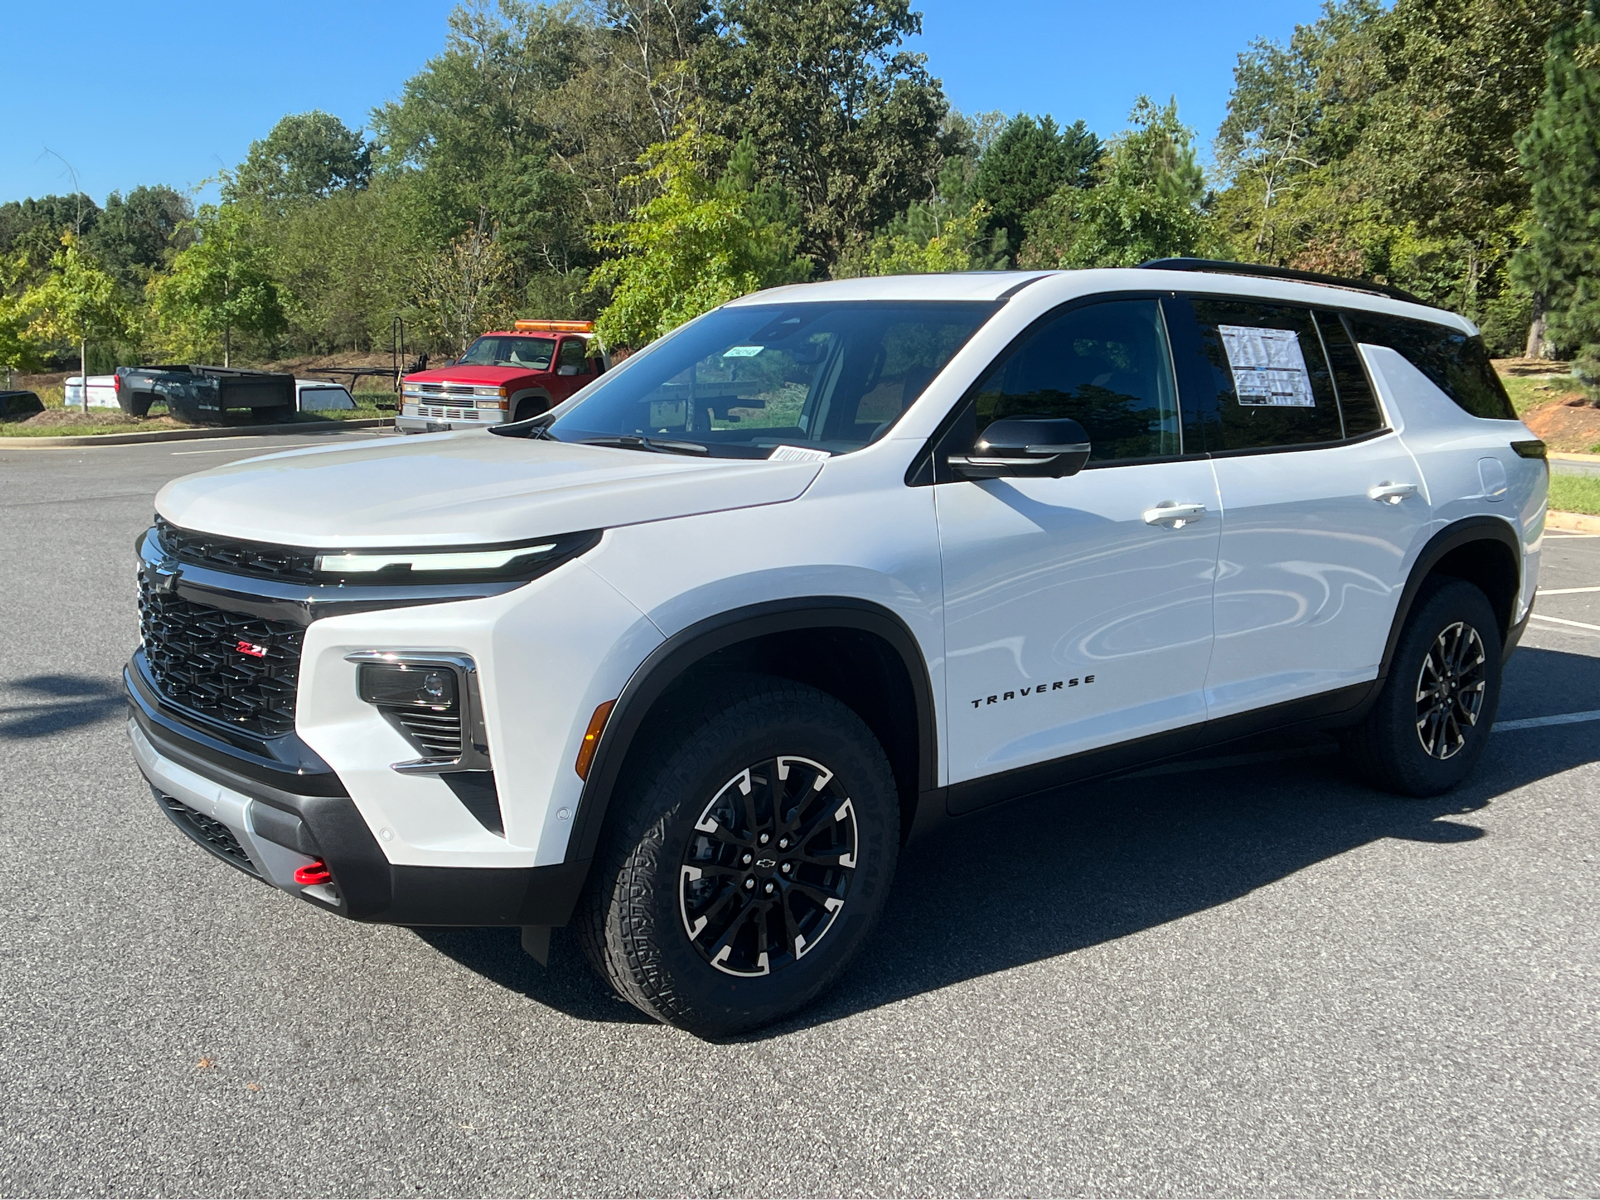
(314, 872)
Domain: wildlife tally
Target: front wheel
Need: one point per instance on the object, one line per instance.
(1431, 722)
(749, 858)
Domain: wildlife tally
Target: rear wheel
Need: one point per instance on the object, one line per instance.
(749, 857)
(1431, 722)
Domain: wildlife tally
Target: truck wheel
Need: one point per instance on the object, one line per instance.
(749, 854)
(1431, 722)
(530, 407)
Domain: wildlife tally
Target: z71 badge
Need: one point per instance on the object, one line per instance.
(1038, 689)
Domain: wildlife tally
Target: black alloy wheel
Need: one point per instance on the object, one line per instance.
(746, 857)
(1430, 723)
(1450, 690)
(769, 868)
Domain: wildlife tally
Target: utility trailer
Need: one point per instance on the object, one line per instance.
(195, 393)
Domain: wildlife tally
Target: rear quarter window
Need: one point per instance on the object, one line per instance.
(1457, 365)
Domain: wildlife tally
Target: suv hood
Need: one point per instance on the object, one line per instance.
(462, 489)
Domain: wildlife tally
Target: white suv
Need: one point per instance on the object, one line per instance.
(684, 661)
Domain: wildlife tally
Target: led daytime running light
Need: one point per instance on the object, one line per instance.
(467, 560)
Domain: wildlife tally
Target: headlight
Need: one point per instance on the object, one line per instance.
(481, 390)
(518, 562)
(464, 560)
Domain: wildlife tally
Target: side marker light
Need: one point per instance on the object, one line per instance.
(591, 738)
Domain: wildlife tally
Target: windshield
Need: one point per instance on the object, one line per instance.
(533, 353)
(743, 380)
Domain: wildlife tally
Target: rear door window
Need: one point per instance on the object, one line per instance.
(1458, 365)
(1256, 372)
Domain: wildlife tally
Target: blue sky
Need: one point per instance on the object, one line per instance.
(131, 91)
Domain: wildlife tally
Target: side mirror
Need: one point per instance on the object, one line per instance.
(567, 370)
(1049, 447)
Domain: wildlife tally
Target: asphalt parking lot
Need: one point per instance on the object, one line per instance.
(1244, 975)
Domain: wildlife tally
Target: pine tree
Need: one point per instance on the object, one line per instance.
(1560, 153)
(1028, 163)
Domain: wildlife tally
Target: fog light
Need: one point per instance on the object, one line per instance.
(402, 685)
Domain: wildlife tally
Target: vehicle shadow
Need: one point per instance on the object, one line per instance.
(1057, 873)
(55, 703)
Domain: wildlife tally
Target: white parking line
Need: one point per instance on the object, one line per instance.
(1566, 591)
(1559, 719)
(1560, 621)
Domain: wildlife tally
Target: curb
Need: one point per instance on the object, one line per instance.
(1586, 458)
(182, 435)
(1572, 522)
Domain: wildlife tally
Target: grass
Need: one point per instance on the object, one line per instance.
(1575, 494)
(1530, 391)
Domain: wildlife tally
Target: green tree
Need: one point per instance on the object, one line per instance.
(464, 289)
(76, 303)
(306, 156)
(1560, 153)
(950, 232)
(34, 227)
(1146, 201)
(697, 243)
(845, 118)
(18, 351)
(221, 285)
(136, 236)
(471, 134)
(1027, 163)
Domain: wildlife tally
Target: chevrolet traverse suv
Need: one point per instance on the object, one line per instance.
(684, 661)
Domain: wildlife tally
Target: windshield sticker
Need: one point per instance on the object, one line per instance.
(668, 414)
(1269, 371)
(743, 352)
(797, 454)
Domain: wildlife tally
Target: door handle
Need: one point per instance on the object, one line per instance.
(1173, 515)
(1391, 493)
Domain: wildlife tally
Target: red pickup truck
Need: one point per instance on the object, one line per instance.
(507, 376)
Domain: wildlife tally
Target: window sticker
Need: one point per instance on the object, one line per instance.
(1269, 371)
(743, 351)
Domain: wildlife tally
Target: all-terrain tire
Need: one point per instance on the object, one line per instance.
(1409, 743)
(782, 747)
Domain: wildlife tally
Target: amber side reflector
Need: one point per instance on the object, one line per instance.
(591, 738)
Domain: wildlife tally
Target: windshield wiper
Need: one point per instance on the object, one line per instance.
(659, 445)
(537, 428)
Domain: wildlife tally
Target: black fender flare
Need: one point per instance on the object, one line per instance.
(534, 393)
(1452, 537)
(668, 661)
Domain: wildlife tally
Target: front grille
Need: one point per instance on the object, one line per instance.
(212, 834)
(450, 414)
(437, 734)
(241, 558)
(231, 667)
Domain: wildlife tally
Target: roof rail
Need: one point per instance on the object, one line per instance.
(1213, 266)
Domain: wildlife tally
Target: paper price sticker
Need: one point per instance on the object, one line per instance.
(1269, 371)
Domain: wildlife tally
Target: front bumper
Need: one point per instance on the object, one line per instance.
(437, 418)
(278, 826)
